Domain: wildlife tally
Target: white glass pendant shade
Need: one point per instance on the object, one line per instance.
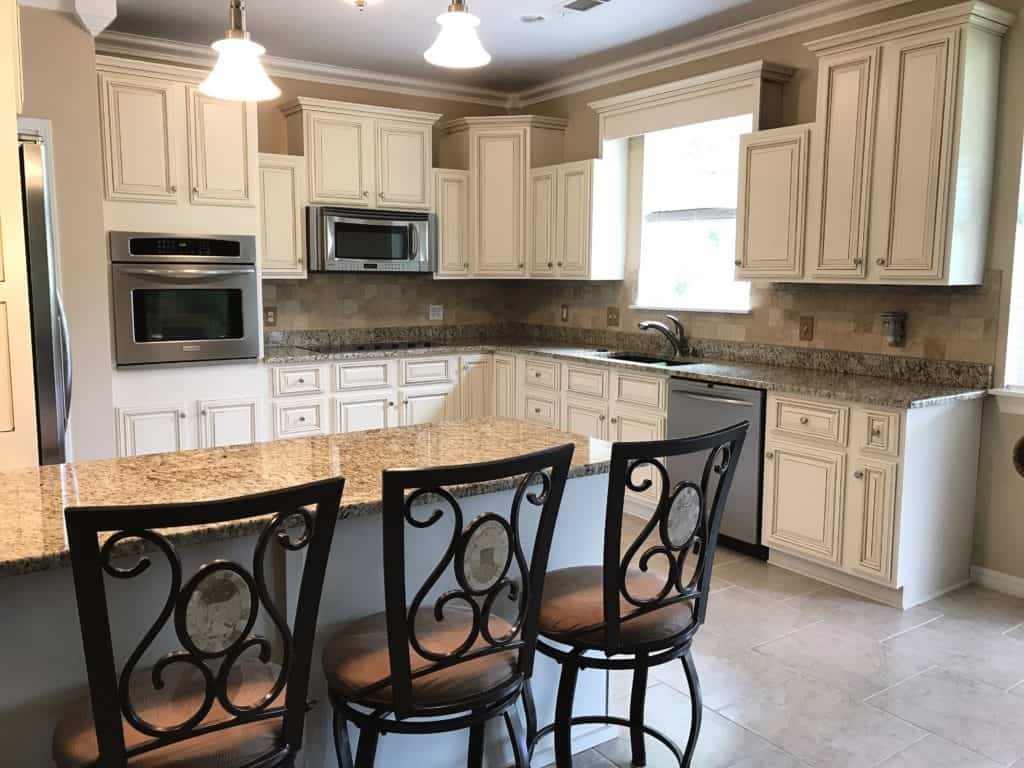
(238, 74)
(457, 45)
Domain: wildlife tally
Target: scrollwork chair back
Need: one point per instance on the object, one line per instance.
(419, 499)
(310, 509)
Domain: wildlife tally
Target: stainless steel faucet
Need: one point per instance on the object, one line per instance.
(676, 337)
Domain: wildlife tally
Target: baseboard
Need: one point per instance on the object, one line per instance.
(998, 581)
(582, 740)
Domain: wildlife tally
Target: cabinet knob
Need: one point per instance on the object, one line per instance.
(405, 402)
(202, 412)
(536, 410)
(366, 193)
(876, 432)
(195, 190)
(880, 262)
(804, 420)
(770, 455)
(601, 418)
(391, 403)
(537, 374)
(738, 263)
(380, 195)
(859, 475)
(857, 262)
(559, 263)
(550, 265)
(522, 264)
(302, 419)
(615, 421)
(174, 188)
(181, 414)
(302, 381)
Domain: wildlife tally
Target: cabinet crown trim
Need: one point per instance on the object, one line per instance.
(135, 67)
(505, 121)
(302, 103)
(981, 15)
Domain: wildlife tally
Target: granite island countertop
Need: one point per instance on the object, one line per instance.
(869, 390)
(32, 501)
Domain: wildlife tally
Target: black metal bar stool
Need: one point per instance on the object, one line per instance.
(459, 652)
(214, 719)
(619, 615)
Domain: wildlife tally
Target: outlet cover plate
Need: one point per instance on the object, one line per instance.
(270, 316)
(806, 328)
(565, 313)
(613, 317)
(436, 312)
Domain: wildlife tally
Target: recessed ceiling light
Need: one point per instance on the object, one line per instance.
(360, 4)
(533, 18)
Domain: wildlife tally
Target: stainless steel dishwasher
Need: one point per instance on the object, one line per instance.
(696, 408)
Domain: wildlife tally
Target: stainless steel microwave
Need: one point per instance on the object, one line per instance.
(184, 298)
(364, 240)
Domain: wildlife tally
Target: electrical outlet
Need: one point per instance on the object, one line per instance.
(565, 313)
(436, 312)
(806, 328)
(613, 317)
(270, 316)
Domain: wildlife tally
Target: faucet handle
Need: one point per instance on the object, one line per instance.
(678, 326)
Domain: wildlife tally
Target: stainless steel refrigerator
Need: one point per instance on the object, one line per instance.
(50, 345)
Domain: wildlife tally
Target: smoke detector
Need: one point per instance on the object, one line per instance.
(584, 5)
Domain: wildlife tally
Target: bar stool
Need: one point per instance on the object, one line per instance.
(213, 720)
(460, 651)
(619, 615)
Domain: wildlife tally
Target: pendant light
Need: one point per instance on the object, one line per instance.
(238, 74)
(457, 45)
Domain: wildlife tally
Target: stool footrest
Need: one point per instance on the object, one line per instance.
(612, 720)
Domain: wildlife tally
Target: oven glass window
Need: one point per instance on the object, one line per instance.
(187, 314)
(371, 242)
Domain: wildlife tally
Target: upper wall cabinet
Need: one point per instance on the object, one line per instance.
(451, 198)
(282, 216)
(499, 152)
(218, 151)
(363, 156)
(902, 155)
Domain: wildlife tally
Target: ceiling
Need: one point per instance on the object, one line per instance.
(391, 35)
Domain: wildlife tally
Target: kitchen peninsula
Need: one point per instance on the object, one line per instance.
(41, 637)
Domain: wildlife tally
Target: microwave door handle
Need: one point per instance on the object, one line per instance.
(185, 274)
(414, 243)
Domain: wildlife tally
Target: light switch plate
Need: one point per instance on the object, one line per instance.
(270, 316)
(436, 312)
(565, 313)
(613, 317)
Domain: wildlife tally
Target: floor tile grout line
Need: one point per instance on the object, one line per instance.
(904, 749)
(911, 629)
(1012, 629)
(925, 671)
(791, 632)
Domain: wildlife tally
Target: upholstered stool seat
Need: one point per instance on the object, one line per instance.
(356, 661)
(573, 609)
(74, 740)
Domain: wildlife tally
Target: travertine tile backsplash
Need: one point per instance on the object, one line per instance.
(943, 323)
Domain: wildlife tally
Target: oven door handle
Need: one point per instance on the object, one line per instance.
(185, 274)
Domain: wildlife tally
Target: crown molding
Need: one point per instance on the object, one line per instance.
(781, 24)
(506, 121)
(300, 103)
(124, 44)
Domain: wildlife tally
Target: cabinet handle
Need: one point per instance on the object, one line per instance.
(804, 420)
(859, 475)
(880, 262)
(770, 455)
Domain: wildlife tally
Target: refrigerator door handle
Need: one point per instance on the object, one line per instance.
(65, 353)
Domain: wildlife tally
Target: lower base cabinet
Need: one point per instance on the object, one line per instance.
(363, 411)
(428, 405)
(223, 423)
(871, 518)
(142, 430)
(583, 417)
(632, 425)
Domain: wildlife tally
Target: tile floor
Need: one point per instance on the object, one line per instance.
(796, 673)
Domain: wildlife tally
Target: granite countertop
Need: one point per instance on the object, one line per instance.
(869, 390)
(32, 501)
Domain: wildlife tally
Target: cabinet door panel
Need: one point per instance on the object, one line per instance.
(575, 181)
(428, 405)
(218, 150)
(148, 429)
(870, 523)
(358, 413)
(585, 418)
(140, 135)
(404, 151)
(340, 153)
(912, 182)
(772, 204)
(498, 195)
(228, 422)
(802, 500)
(475, 386)
(282, 191)
(847, 101)
(639, 426)
(452, 201)
(543, 214)
(505, 386)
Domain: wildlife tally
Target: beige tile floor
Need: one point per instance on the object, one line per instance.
(796, 673)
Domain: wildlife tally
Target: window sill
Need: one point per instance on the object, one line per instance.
(647, 308)
(1009, 399)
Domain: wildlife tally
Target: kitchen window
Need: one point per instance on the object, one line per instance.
(688, 209)
(1014, 374)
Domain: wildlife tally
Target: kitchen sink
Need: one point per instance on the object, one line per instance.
(628, 357)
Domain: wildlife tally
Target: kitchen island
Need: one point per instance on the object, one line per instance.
(41, 642)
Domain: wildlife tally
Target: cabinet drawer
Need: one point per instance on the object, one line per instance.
(298, 381)
(364, 375)
(432, 370)
(541, 374)
(592, 382)
(801, 418)
(541, 409)
(300, 418)
(877, 431)
(645, 391)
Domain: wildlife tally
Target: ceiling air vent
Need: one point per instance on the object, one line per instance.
(584, 5)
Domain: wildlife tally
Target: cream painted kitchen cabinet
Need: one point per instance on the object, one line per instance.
(871, 518)
(586, 417)
(772, 203)
(362, 411)
(505, 386)
(362, 156)
(228, 422)
(429, 404)
(451, 198)
(543, 202)
(141, 131)
(476, 387)
(146, 429)
(282, 206)
(219, 150)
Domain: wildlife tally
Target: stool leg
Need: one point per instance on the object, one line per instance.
(530, 708)
(367, 749)
(476, 746)
(563, 713)
(520, 750)
(342, 747)
(696, 707)
(637, 699)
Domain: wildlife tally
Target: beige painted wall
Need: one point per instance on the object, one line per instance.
(60, 85)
